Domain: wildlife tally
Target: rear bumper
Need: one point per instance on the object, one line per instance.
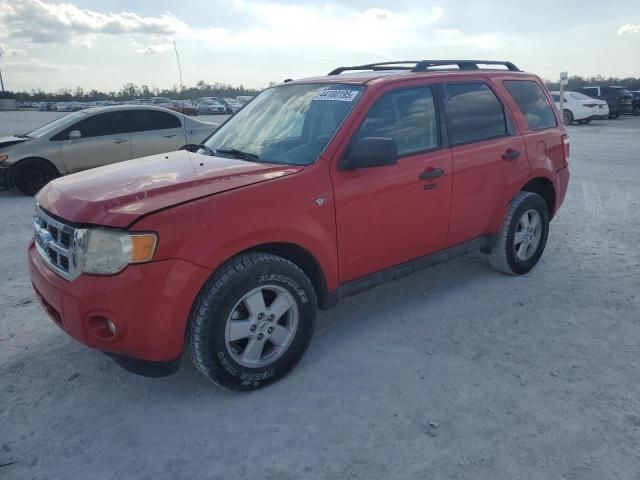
(148, 304)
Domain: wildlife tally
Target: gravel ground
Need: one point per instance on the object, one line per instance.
(454, 372)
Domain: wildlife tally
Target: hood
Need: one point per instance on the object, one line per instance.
(118, 194)
(11, 140)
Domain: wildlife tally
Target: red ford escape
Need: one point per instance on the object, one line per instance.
(318, 189)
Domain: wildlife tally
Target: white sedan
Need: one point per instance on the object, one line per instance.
(92, 138)
(580, 108)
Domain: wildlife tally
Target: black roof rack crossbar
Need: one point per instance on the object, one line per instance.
(424, 65)
(377, 66)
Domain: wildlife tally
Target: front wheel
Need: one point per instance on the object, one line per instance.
(252, 321)
(31, 174)
(523, 235)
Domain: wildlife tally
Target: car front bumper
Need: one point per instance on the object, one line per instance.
(149, 305)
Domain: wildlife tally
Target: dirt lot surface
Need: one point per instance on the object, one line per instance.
(457, 372)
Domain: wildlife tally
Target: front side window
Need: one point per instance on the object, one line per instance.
(532, 103)
(474, 113)
(407, 116)
(289, 124)
(144, 120)
(102, 124)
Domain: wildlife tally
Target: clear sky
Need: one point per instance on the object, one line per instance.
(103, 44)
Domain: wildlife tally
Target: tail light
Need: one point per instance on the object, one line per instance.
(566, 144)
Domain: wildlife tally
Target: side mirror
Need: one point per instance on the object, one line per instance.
(75, 135)
(370, 152)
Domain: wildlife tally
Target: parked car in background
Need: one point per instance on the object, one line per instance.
(635, 101)
(160, 101)
(186, 107)
(92, 138)
(211, 107)
(618, 98)
(317, 190)
(233, 105)
(580, 108)
(45, 106)
(244, 99)
(205, 100)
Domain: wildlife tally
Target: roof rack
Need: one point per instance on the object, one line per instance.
(425, 65)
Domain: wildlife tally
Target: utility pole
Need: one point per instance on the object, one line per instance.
(1, 82)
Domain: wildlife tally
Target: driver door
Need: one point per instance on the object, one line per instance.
(392, 214)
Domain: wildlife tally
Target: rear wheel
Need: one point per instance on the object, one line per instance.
(252, 322)
(614, 115)
(31, 174)
(523, 235)
(567, 117)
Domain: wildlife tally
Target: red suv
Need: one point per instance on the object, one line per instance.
(318, 189)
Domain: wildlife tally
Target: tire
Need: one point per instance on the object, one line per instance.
(613, 116)
(505, 254)
(567, 117)
(222, 312)
(584, 121)
(31, 174)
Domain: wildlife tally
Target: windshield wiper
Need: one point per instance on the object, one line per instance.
(235, 153)
(21, 136)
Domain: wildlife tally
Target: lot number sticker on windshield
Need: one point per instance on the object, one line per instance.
(336, 95)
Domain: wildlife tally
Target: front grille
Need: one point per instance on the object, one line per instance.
(56, 244)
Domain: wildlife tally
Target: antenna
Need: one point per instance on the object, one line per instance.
(184, 117)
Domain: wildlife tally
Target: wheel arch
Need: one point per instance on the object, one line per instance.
(303, 259)
(545, 188)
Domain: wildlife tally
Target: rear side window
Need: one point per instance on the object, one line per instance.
(144, 120)
(474, 113)
(407, 116)
(532, 102)
(112, 123)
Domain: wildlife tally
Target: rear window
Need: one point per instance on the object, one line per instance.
(532, 102)
(474, 113)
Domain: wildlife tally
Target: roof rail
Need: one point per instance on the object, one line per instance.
(425, 65)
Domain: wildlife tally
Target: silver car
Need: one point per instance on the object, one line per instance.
(93, 138)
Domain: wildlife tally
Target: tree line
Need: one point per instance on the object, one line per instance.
(131, 91)
(576, 81)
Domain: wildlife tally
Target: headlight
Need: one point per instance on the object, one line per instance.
(105, 252)
(3, 157)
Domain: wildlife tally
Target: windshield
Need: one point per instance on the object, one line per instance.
(52, 127)
(288, 124)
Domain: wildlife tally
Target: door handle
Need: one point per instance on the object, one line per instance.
(511, 154)
(119, 140)
(170, 136)
(431, 173)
